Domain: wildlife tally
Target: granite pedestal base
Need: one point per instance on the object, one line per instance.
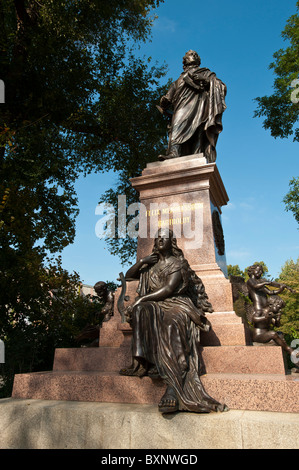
(243, 377)
(186, 194)
(41, 424)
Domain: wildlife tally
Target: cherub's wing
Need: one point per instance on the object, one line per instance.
(239, 286)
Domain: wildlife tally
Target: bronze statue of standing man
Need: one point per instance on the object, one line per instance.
(196, 101)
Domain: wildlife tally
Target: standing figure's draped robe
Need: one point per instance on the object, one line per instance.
(194, 108)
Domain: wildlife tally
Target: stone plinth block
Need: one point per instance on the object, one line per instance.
(243, 360)
(214, 359)
(40, 424)
(92, 359)
(88, 386)
(227, 329)
(262, 392)
(187, 194)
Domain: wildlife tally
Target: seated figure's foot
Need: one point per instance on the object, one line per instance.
(135, 370)
(222, 407)
(169, 402)
(153, 372)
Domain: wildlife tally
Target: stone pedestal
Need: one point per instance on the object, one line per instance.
(186, 194)
(243, 377)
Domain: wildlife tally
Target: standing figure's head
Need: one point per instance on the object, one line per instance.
(191, 58)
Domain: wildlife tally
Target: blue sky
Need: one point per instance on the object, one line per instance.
(236, 40)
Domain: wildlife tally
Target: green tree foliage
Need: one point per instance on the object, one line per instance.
(237, 271)
(291, 199)
(281, 110)
(77, 100)
(289, 275)
(55, 312)
(234, 270)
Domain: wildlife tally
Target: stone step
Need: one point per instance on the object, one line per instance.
(47, 424)
(91, 359)
(214, 359)
(224, 335)
(243, 360)
(260, 392)
(227, 330)
(264, 392)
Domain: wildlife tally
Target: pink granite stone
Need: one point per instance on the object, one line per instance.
(243, 360)
(214, 359)
(243, 377)
(110, 359)
(226, 330)
(87, 386)
(187, 182)
(258, 392)
(255, 392)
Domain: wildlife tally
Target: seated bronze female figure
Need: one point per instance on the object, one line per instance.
(166, 320)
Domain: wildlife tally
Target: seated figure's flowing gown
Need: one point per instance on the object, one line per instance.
(167, 334)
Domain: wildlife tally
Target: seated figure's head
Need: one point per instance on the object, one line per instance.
(169, 239)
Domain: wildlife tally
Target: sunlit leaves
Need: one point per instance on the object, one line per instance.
(280, 110)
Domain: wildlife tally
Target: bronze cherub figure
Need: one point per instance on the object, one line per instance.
(263, 306)
(90, 333)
